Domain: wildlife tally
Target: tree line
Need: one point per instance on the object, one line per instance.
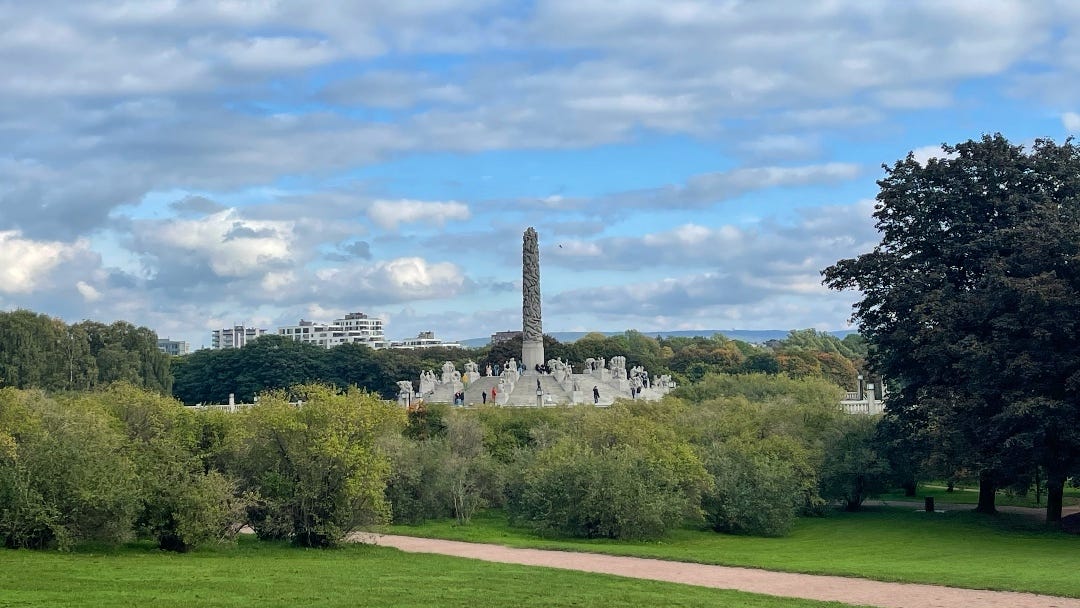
(741, 454)
(38, 351)
(269, 362)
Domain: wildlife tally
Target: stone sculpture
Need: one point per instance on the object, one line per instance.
(448, 371)
(532, 333)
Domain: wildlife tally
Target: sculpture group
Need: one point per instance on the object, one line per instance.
(532, 381)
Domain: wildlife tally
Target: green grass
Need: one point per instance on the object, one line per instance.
(970, 496)
(956, 548)
(268, 575)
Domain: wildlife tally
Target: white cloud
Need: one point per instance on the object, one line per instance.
(25, 264)
(390, 213)
(925, 153)
(229, 245)
(88, 292)
(1071, 122)
(280, 53)
(399, 279)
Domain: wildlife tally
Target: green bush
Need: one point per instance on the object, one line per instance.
(413, 486)
(184, 501)
(754, 493)
(614, 475)
(65, 474)
(317, 467)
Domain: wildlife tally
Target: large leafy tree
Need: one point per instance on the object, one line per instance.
(970, 303)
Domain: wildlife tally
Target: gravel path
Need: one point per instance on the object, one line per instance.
(806, 586)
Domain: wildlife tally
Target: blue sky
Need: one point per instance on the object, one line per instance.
(189, 165)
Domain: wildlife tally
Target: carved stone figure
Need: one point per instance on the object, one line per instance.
(427, 382)
(405, 387)
(448, 370)
(472, 369)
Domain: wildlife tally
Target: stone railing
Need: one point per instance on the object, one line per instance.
(863, 406)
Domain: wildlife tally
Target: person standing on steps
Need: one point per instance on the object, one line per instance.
(595, 395)
(483, 397)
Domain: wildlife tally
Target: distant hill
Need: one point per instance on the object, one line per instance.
(754, 336)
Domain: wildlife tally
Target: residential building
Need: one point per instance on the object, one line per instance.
(354, 328)
(234, 337)
(173, 347)
(425, 339)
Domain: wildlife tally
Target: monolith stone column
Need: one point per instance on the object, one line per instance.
(532, 332)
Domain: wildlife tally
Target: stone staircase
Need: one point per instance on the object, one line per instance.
(484, 384)
(525, 391)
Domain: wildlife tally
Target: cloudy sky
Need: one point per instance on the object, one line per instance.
(190, 165)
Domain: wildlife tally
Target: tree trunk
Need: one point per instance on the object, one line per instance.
(1055, 490)
(910, 487)
(987, 493)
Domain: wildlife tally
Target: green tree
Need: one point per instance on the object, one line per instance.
(854, 468)
(30, 350)
(970, 301)
(123, 352)
(184, 502)
(317, 467)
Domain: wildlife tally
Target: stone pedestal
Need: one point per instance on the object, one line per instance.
(532, 354)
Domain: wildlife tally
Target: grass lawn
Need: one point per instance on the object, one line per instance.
(970, 496)
(268, 574)
(956, 548)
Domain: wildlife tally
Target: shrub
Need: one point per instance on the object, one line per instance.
(754, 493)
(65, 475)
(614, 475)
(853, 469)
(317, 467)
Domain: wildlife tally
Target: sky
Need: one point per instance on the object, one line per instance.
(193, 165)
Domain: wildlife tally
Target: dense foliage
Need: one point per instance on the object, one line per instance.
(971, 302)
(122, 462)
(311, 463)
(739, 454)
(37, 351)
(315, 468)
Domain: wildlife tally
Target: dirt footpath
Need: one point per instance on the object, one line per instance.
(806, 586)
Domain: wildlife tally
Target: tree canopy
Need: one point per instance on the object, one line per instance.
(971, 303)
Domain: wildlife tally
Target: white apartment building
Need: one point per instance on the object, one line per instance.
(355, 328)
(425, 339)
(234, 337)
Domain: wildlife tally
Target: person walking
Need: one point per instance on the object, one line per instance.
(483, 396)
(596, 395)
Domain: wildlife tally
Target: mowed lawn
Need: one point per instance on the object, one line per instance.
(269, 574)
(956, 548)
(970, 496)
